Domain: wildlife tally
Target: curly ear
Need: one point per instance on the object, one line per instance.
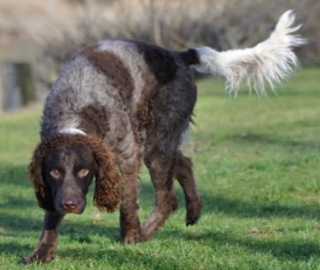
(42, 193)
(108, 178)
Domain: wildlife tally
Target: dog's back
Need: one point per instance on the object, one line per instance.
(123, 91)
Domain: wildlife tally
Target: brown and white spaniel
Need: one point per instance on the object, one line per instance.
(119, 104)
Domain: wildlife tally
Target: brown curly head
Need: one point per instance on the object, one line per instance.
(105, 170)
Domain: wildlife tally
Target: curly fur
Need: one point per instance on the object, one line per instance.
(107, 178)
(44, 197)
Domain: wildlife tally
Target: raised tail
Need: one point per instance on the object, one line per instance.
(268, 62)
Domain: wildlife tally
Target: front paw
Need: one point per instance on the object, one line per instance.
(132, 236)
(43, 254)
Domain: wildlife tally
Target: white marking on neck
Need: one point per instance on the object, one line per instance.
(72, 131)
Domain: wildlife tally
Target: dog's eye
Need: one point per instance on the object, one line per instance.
(83, 172)
(55, 173)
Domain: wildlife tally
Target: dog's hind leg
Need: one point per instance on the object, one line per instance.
(161, 167)
(184, 175)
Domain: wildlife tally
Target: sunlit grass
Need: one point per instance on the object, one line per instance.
(257, 164)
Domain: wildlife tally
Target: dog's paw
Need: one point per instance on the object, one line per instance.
(193, 212)
(132, 236)
(40, 255)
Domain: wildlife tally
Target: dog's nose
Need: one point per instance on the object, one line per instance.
(69, 204)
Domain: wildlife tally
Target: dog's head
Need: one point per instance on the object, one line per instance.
(63, 167)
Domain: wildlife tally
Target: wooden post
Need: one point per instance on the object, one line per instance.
(25, 80)
(17, 87)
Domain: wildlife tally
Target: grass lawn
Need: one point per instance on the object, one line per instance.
(257, 164)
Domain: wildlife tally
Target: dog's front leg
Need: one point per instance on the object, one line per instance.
(129, 207)
(45, 250)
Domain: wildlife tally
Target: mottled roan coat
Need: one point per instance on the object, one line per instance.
(136, 101)
(118, 104)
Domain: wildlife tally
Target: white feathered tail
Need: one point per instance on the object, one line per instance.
(268, 62)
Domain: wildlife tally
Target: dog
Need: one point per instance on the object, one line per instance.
(120, 103)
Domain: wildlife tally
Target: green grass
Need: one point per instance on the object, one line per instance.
(257, 164)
